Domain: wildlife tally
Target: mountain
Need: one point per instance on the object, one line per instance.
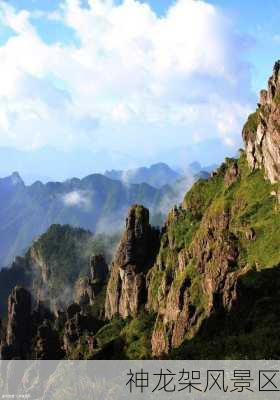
(95, 203)
(156, 175)
(45, 164)
(160, 174)
(53, 264)
(205, 286)
(196, 168)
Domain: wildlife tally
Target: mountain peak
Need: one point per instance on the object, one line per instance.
(161, 165)
(16, 179)
(12, 180)
(261, 132)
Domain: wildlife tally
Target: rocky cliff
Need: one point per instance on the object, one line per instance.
(61, 266)
(18, 334)
(226, 228)
(261, 133)
(87, 288)
(126, 289)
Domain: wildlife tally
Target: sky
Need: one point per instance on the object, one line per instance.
(92, 85)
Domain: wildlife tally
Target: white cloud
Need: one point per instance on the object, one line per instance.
(133, 68)
(77, 198)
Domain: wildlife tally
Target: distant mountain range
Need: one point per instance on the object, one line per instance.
(45, 164)
(97, 202)
(160, 174)
(156, 175)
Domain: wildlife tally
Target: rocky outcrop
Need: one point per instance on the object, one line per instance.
(98, 269)
(126, 289)
(202, 257)
(84, 292)
(19, 324)
(47, 343)
(87, 288)
(40, 265)
(261, 133)
(231, 174)
(192, 281)
(77, 325)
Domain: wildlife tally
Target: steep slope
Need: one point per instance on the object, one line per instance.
(261, 132)
(135, 255)
(227, 228)
(219, 248)
(225, 233)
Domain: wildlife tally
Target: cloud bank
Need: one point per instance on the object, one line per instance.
(77, 198)
(123, 78)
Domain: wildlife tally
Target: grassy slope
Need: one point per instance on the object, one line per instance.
(254, 331)
(251, 207)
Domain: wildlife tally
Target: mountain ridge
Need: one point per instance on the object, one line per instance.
(95, 202)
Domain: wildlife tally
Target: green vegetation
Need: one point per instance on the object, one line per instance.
(252, 122)
(109, 332)
(276, 98)
(250, 205)
(182, 230)
(137, 335)
(202, 193)
(65, 250)
(126, 339)
(250, 333)
(63, 253)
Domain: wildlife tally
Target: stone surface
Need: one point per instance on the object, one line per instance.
(231, 174)
(261, 134)
(214, 255)
(98, 268)
(126, 289)
(87, 288)
(18, 333)
(76, 325)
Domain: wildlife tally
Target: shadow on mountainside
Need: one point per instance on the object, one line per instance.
(249, 331)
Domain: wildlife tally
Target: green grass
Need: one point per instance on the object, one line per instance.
(252, 123)
(183, 230)
(202, 193)
(258, 210)
(137, 336)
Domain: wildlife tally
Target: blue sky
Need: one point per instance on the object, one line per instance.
(138, 81)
